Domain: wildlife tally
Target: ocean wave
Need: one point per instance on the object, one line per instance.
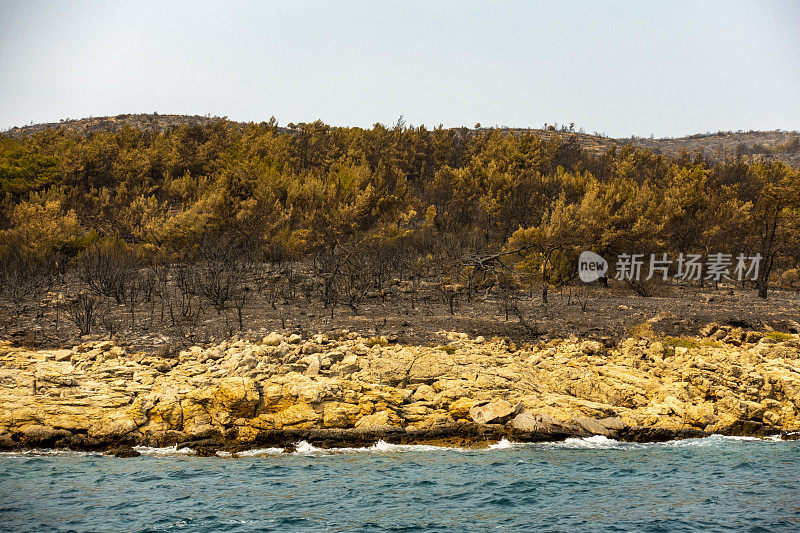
(255, 452)
(595, 442)
(165, 451)
(47, 452)
(504, 444)
(383, 446)
(600, 442)
(305, 448)
(717, 440)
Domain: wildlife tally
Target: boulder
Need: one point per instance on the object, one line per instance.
(236, 396)
(346, 366)
(497, 411)
(415, 412)
(62, 355)
(424, 393)
(534, 422)
(608, 427)
(310, 348)
(539, 426)
(38, 435)
(114, 428)
(461, 407)
(379, 420)
(340, 415)
(753, 337)
(428, 367)
(700, 415)
(313, 364)
(124, 452)
(273, 339)
(299, 415)
(709, 329)
(592, 348)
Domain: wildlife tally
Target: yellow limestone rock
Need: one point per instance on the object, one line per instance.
(381, 419)
(300, 415)
(237, 396)
(340, 415)
(236, 389)
(497, 411)
(460, 408)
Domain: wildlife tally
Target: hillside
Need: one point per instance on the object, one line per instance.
(752, 145)
(208, 229)
(140, 121)
(779, 145)
(775, 145)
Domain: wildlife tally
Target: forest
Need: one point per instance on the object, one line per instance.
(214, 219)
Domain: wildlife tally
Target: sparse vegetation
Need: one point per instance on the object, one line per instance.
(778, 336)
(191, 224)
(643, 331)
(687, 342)
(376, 341)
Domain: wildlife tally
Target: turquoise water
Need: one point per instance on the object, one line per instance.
(711, 484)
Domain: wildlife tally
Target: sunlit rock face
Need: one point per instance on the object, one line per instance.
(98, 395)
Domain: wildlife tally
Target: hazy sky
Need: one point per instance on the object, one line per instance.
(668, 68)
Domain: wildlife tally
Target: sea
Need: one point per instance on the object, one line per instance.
(593, 484)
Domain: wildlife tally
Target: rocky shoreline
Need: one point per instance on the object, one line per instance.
(349, 391)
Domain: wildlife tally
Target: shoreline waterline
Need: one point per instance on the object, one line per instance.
(304, 448)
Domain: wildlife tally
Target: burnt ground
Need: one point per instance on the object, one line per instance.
(610, 313)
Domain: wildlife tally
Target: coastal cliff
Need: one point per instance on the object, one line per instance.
(348, 390)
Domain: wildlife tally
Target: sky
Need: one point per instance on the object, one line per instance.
(617, 67)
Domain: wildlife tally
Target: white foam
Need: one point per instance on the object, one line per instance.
(504, 444)
(734, 437)
(304, 448)
(595, 442)
(165, 451)
(716, 440)
(599, 442)
(383, 446)
(256, 452)
(47, 452)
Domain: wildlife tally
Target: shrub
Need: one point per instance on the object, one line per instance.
(778, 336)
(643, 331)
(680, 342)
(377, 341)
(688, 342)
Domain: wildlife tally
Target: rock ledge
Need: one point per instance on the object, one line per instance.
(350, 391)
